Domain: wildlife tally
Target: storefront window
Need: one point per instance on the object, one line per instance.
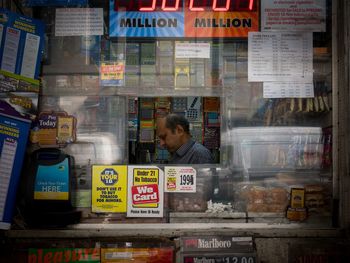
(254, 82)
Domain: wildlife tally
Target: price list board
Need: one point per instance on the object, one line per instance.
(288, 90)
(280, 57)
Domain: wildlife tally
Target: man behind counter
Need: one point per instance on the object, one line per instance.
(174, 134)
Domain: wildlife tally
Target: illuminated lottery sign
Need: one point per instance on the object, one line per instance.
(183, 18)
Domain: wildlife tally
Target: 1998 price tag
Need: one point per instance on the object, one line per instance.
(180, 179)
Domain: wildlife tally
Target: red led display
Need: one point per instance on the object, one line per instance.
(190, 5)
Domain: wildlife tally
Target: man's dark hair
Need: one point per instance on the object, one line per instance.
(172, 120)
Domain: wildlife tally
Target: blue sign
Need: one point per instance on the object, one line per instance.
(52, 182)
(21, 44)
(145, 24)
(13, 141)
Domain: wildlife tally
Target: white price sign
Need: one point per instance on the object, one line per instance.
(180, 179)
(192, 50)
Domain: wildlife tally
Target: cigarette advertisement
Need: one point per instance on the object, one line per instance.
(145, 191)
(134, 255)
(109, 188)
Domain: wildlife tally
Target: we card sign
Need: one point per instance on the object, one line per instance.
(145, 194)
(145, 191)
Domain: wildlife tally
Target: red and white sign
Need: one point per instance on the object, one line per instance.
(145, 194)
(220, 24)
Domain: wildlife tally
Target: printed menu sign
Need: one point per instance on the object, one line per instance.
(280, 57)
(109, 188)
(192, 50)
(287, 15)
(180, 179)
(79, 22)
(145, 191)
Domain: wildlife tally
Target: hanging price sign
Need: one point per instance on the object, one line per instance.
(180, 179)
(232, 258)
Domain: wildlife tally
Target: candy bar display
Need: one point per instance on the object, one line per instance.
(317, 199)
(265, 199)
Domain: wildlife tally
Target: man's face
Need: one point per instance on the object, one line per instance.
(168, 139)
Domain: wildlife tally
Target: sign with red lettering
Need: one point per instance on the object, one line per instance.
(112, 73)
(286, 15)
(145, 191)
(185, 18)
(60, 255)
